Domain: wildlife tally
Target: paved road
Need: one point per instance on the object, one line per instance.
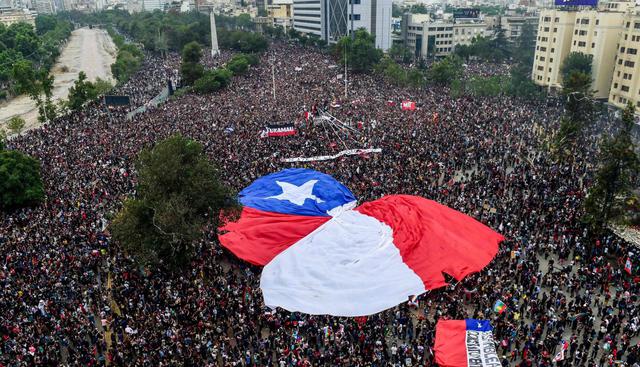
(88, 50)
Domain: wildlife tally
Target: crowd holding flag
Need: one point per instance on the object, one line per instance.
(564, 345)
(628, 266)
(272, 130)
(323, 255)
(465, 343)
(408, 105)
(499, 307)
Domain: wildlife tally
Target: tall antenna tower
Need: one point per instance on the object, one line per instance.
(215, 51)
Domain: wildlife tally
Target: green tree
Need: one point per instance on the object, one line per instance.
(500, 45)
(191, 70)
(81, 92)
(361, 53)
(400, 53)
(20, 182)
(3, 139)
(16, 124)
(178, 193)
(445, 71)
(525, 45)
(576, 62)
(45, 23)
(102, 86)
(618, 167)
(238, 65)
(192, 52)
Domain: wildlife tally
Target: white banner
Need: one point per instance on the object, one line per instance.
(330, 157)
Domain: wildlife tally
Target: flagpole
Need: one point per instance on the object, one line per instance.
(273, 76)
(345, 74)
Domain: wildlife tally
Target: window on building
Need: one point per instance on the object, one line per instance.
(597, 21)
(582, 44)
(615, 85)
(628, 24)
(593, 45)
(575, 32)
(557, 19)
(619, 61)
(636, 25)
(578, 21)
(354, 16)
(355, 2)
(546, 29)
(574, 43)
(546, 19)
(632, 51)
(622, 49)
(542, 58)
(551, 59)
(584, 21)
(629, 64)
(624, 88)
(555, 30)
(543, 49)
(552, 50)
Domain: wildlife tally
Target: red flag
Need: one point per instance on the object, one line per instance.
(408, 105)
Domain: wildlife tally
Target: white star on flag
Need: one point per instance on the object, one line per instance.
(297, 194)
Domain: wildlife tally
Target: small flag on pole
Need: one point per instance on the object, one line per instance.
(499, 307)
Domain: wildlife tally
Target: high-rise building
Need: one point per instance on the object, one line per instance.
(626, 73)
(45, 7)
(334, 19)
(594, 32)
(151, 5)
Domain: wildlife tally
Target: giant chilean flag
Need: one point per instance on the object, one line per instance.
(465, 343)
(323, 255)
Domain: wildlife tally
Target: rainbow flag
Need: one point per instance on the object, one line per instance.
(499, 307)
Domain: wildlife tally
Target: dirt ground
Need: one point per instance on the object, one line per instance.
(88, 50)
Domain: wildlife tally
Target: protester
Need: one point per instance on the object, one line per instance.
(70, 296)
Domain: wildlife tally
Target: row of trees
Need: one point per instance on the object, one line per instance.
(162, 32)
(24, 47)
(129, 57)
(361, 55)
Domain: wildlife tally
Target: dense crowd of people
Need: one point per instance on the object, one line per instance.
(70, 296)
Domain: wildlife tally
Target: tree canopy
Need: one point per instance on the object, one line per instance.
(359, 53)
(575, 62)
(618, 167)
(178, 193)
(38, 48)
(20, 181)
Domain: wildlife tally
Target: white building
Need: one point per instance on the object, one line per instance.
(334, 19)
(429, 38)
(151, 5)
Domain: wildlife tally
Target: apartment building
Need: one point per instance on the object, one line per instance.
(593, 32)
(512, 25)
(626, 73)
(428, 38)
